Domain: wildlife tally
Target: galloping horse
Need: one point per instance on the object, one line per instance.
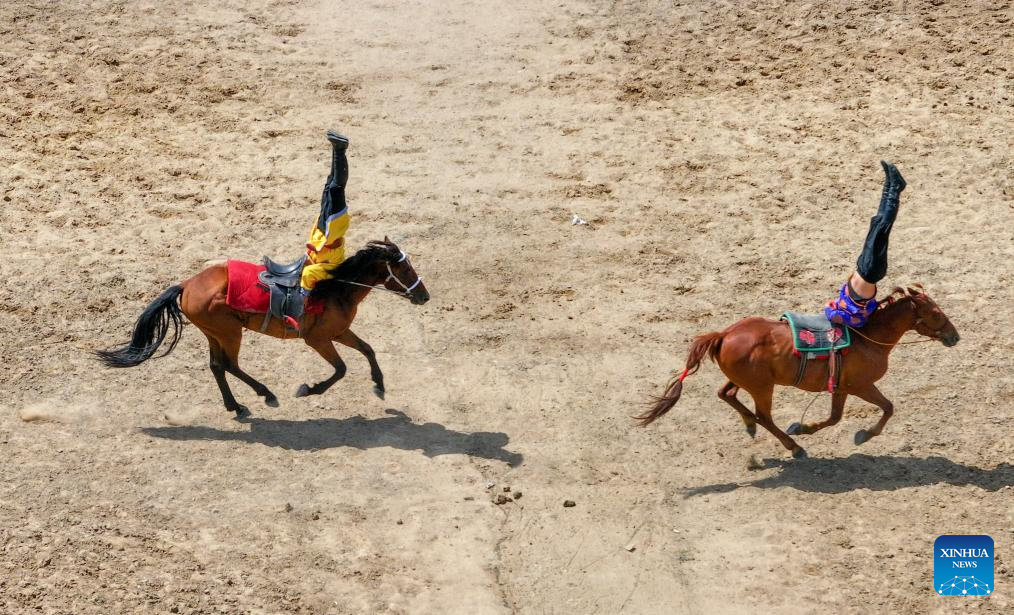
(756, 354)
(202, 298)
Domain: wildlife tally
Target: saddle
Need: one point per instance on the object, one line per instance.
(286, 297)
(815, 337)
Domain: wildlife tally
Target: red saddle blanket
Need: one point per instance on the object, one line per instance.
(246, 293)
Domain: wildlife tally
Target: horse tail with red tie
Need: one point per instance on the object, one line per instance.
(708, 343)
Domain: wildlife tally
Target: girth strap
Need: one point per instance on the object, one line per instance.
(804, 358)
(267, 321)
(835, 361)
(832, 370)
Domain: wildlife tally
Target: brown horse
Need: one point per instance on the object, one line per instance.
(756, 354)
(202, 298)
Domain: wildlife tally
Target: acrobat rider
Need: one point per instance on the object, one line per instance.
(325, 249)
(857, 299)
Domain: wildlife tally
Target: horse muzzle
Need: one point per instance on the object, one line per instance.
(419, 297)
(950, 340)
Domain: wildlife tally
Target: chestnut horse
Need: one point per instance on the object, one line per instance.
(380, 265)
(756, 354)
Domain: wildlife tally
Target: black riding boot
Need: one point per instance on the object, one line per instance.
(337, 140)
(894, 183)
(872, 263)
(332, 201)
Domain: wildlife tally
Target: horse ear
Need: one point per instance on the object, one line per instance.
(914, 290)
(387, 239)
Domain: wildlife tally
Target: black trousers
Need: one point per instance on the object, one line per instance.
(872, 263)
(332, 201)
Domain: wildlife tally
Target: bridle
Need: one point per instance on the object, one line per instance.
(934, 335)
(935, 332)
(391, 276)
(407, 292)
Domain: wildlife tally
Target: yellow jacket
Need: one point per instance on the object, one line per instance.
(325, 250)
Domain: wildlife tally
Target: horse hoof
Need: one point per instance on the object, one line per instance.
(271, 401)
(242, 412)
(862, 436)
(379, 392)
(794, 429)
(302, 391)
(751, 430)
(799, 453)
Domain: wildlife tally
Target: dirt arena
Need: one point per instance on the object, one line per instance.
(725, 155)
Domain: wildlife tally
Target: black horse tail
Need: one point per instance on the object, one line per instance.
(150, 331)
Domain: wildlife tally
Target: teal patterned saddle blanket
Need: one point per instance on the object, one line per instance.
(815, 333)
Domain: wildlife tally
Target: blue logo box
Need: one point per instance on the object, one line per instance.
(963, 565)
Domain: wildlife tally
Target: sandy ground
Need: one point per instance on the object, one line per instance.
(725, 155)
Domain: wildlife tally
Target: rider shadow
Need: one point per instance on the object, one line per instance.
(395, 431)
(873, 472)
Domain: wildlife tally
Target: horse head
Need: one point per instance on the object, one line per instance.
(930, 320)
(401, 277)
(381, 265)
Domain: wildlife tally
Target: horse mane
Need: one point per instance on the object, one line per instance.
(900, 294)
(896, 294)
(353, 267)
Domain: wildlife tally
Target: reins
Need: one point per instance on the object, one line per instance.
(888, 302)
(378, 287)
(407, 293)
(898, 343)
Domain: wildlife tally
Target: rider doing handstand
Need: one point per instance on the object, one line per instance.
(325, 249)
(857, 298)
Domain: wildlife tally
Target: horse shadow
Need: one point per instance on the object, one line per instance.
(873, 472)
(395, 431)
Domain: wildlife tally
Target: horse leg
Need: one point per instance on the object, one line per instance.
(873, 395)
(230, 351)
(727, 393)
(837, 406)
(350, 339)
(763, 401)
(326, 349)
(217, 365)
